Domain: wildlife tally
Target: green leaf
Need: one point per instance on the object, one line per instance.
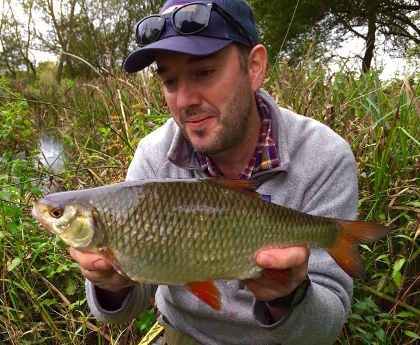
(12, 227)
(398, 265)
(12, 211)
(412, 335)
(49, 301)
(370, 319)
(4, 195)
(396, 276)
(366, 304)
(383, 258)
(77, 304)
(380, 334)
(70, 287)
(366, 247)
(11, 265)
(147, 319)
(414, 203)
(354, 316)
(406, 314)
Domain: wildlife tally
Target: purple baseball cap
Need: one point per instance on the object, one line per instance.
(219, 33)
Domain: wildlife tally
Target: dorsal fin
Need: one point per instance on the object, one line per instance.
(246, 186)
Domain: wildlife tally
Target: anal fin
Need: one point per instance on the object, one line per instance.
(206, 292)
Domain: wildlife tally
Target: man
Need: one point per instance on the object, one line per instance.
(223, 125)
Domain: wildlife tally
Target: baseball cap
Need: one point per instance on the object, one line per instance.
(230, 21)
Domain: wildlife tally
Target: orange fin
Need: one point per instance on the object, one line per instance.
(281, 276)
(242, 185)
(344, 251)
(207, 292)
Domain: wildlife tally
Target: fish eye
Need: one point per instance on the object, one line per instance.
(56, 212)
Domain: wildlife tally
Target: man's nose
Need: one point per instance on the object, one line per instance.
(187, 94)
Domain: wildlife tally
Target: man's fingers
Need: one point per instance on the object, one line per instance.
(90, 261)
(99, 271)
(282, 258)
(264, 291)
(96, 275)
(108, 280)
(284, 270)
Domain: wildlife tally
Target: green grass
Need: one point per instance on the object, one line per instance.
(100, 122)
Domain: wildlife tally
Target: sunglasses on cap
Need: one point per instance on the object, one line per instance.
(188, 19)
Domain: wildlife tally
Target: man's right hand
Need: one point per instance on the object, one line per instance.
(99, 271)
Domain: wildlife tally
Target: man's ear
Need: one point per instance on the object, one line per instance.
(257, 66)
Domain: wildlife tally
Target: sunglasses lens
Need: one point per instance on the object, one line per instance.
(149, 30)
(192, 18)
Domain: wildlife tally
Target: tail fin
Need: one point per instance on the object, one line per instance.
(344, 251)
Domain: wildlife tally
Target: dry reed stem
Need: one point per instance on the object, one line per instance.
(66, 302)
(413, 98)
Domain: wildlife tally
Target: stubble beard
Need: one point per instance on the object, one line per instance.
(233, 125)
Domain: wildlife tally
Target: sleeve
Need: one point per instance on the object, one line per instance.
(320, 317)
(135, 302)
(140, 296)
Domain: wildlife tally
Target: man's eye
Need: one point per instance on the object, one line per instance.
(169, 83)
(205, 73)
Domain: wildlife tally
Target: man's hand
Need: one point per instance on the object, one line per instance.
(286, 269)
(100, 272)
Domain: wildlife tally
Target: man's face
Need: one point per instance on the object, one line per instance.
(209, 97)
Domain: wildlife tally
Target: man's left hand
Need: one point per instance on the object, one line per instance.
(285, 270)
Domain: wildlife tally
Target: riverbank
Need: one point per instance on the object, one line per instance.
(100, 122)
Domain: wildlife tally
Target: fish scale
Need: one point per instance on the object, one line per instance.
(182, 231)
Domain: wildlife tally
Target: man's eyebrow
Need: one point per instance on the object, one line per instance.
(193, 58)
(199, 58)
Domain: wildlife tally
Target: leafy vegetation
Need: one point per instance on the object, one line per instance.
(100, 122)
(101, 31)
(331, 21)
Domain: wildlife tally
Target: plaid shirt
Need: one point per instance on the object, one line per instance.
(265, 157)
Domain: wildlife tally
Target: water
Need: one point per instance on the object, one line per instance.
(51, 156)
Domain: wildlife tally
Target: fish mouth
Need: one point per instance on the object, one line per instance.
(36, 214)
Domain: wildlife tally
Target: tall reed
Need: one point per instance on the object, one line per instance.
(101, 122)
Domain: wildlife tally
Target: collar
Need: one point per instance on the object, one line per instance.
(265, 155)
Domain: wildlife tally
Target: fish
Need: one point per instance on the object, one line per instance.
(191, 232)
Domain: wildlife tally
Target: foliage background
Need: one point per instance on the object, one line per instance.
(100, 114)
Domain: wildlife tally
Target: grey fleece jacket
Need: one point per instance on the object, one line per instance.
(317, 175)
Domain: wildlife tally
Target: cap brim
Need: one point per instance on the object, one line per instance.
(192, 45)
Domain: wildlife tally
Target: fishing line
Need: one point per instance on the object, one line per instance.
(290, 25)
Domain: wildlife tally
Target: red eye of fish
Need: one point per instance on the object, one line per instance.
(56, 212)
